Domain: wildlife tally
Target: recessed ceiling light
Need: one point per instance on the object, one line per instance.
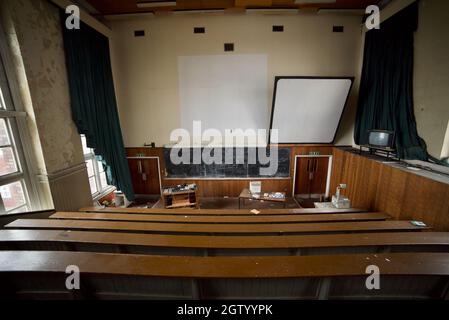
(357, 12)
(273, 11)
(314, 1)
(156, 4)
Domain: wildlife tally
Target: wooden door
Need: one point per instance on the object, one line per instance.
(145, 176)
(311, 175)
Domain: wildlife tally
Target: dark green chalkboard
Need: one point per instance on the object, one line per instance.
(240, 167)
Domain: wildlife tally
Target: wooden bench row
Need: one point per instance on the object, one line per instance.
(221, 245)
(207, 228)
(225, 267)
(219, 255)
(336, 217)
(403, 275)
(220, 212)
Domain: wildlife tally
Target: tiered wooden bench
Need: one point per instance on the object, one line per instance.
(322, 277)
(221, 212)
(309, 218)
(222, 254)
(176, 228)
(222, 245)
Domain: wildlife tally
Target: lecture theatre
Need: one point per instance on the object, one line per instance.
(224, 149)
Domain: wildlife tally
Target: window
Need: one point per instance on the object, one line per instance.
(14, 180)
(95, 170)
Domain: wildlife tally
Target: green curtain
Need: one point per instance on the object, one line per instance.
(386, 88)
(93, 102)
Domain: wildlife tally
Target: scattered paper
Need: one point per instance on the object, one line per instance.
(255, 211)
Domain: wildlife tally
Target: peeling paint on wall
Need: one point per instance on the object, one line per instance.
(39, 33)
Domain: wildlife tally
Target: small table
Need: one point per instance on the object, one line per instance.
(246, 194)
(179, 199)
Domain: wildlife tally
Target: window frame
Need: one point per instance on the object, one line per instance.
(18, 132)
(12, 120)
(90, 156)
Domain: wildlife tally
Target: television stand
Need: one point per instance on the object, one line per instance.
(385, 151)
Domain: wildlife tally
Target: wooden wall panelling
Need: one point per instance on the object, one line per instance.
(367, 180)
(374, 170)
(338, 164)
(376, 186)
(392, 186)
(442, 220)
(425, 200)
(230, 187)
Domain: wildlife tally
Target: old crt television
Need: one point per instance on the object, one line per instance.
(381, 139)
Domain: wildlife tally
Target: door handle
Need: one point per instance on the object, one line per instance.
(139, 167)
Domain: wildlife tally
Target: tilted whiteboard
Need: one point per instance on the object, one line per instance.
(308, 109)
(224, 91)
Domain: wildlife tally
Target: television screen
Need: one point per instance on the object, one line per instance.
(380, 138)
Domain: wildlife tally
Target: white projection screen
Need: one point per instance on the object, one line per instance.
(224, 91)
(308, 109)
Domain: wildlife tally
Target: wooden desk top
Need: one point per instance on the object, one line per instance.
(368, 216)
(229, 242)
(220, 212)
(334, 227)
(225, 267)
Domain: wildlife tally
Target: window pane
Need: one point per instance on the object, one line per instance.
(86, 150)
(13, 195)
(4, 135)
(2, 101)
(100, 166)
(7, 161)
(103, 180)
(90, 168)
(93, 185)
